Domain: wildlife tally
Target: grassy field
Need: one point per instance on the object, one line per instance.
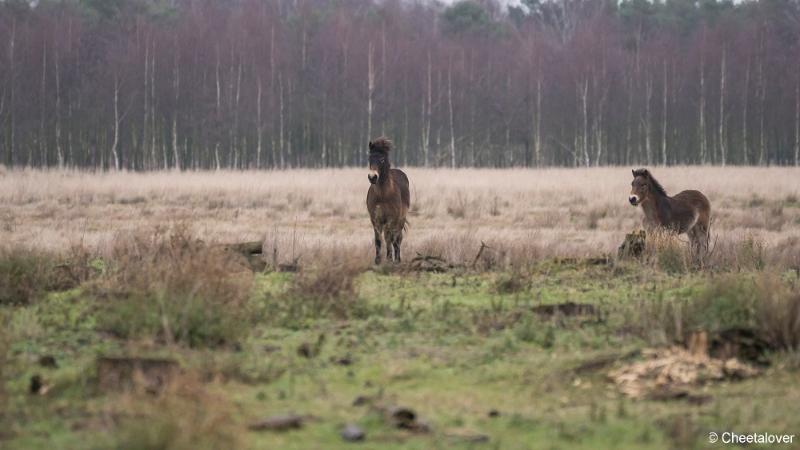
(519, 348)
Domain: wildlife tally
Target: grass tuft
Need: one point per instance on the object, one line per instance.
(172, 288)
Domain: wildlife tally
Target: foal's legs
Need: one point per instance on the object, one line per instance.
(398, 239)
(389, 239)
(698, 236)
(377, 245)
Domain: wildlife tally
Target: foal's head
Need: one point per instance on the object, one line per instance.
(379, 159)
(643, 186)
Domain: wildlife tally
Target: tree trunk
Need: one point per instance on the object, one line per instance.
(583, 94)
(177, 87)
(722, 143)
(59, 149)
(664, 98)
(702, 130)
(797, 120)
(648, 127)
(42, 130)
(259, 125)
(450, 107)
(537, 140)
(745, 149)
(115, 144)
(281, 137)
(370, 90)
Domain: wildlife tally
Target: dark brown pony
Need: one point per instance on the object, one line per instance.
(687, 212)
(388, 199)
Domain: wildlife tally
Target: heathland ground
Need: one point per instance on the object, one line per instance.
(519, 345)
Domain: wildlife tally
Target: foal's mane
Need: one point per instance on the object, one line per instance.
(380, 145)
(653, 182)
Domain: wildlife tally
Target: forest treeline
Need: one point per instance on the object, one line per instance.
(155, 84)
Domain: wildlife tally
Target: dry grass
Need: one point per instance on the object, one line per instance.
(27, 273)
(325, 289)
(766, 305)
(168, 286)
(521, 214)
(187, 415)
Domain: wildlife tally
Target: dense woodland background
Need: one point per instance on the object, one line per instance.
(152, 84)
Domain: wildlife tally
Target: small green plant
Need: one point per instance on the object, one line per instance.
(510, 282)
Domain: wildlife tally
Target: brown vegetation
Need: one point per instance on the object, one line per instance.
(185, 415)
(307, 214)
(167, 285)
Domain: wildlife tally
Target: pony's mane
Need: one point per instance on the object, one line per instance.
(653, 182)
(381, 145)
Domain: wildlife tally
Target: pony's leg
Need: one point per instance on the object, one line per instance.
(398, 239)
(698, 237)
(702, 236)
(377, 245)
(389, 239)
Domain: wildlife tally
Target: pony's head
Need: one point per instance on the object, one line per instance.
(379, 159)
(642, 186)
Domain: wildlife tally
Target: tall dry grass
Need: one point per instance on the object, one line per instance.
(520, 214)
(168, 286)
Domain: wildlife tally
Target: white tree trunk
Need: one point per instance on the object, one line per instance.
(146, 121)
(176, 155)
(42, 131)
(115, 144)
(281, 121)
(426, 126)
(702, 130)
(648, 127)
(761, 96)
(450, 107)
(664, 111)
(59, 149)
(722, 141)
(537, 141)
(797, 121)
(745, 147)
(370, 89)
(259, 126)
(583, 94)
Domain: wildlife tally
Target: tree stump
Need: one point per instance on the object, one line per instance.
(633, 246)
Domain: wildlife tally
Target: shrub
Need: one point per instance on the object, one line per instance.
(766, 305)
(5, 342)
(510, 282)
(327, 290)
(725, 303)
(185, 416)
(26, 273)
(22, 275)
(778, 313)
(667, 252)
(173, 288)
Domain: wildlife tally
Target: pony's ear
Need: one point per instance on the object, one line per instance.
(633, 172)
(371, 146)
(640, 173)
